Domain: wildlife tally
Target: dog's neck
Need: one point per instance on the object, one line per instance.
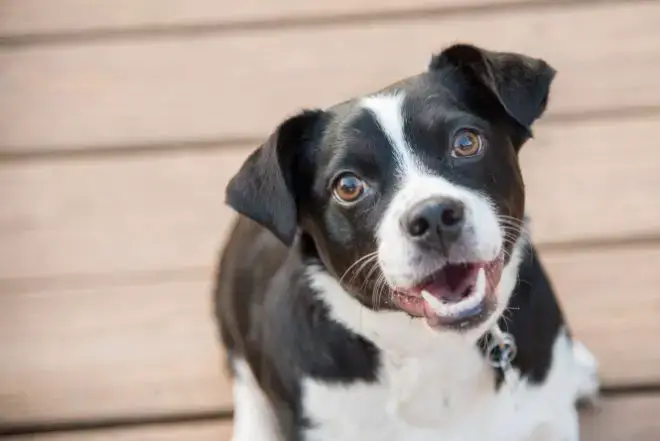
(397, 333)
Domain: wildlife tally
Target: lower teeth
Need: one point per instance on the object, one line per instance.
(447, 310)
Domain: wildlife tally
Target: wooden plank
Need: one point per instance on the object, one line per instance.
(125, 214)
(611, 302)
(150, 349)
(109, 215)
(629, 418)
(111, 352)
(584, 184)
(617, 419)
(206, 86)
(35, 17)
(207, 431)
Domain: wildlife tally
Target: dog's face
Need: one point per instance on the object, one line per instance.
(412, 196)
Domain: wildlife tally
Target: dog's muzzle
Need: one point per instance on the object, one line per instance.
(435, 223)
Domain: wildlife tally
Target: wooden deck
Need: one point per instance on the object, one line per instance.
(122, 120)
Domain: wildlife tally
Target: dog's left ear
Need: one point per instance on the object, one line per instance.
(520, 83)
(264, 189)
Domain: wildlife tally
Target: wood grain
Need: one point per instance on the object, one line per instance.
(625, 418)
(110, 352)
(121, 93)
(129, 214)
(35, 17)
(118, 351)
(106, 260)
(629, 418)
(611, 302)
(211, 431)
(593, 180)
(110, 215)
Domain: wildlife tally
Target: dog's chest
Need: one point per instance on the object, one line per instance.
(424, 399)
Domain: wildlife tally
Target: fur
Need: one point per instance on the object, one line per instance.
(339, 318)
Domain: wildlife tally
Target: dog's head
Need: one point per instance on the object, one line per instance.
(412, 196)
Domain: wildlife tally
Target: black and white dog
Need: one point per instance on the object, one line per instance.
(381, 250)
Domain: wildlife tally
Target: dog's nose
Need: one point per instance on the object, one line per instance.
(435, 221)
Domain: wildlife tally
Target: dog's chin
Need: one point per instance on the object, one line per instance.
(455, 296)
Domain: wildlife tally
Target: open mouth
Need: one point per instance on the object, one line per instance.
(456, 295)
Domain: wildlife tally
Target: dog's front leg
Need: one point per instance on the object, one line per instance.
(565, 427)
(254, 419)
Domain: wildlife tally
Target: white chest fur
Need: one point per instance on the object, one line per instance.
(448, 396)
(436, 386)
(431, 387)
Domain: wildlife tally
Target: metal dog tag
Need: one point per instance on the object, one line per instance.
(502, 349)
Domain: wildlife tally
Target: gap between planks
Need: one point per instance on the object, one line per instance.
(82, 152)
(63, 354)
(147, 88)
(134, 278)
(170, 208)
(315, 19)
(602, 423)
(134, 421)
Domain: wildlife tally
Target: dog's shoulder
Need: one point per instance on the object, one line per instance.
(249, 260)
(263, 296)
(271, 319)
(533, 317)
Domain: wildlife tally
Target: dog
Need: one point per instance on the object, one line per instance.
(380, 283)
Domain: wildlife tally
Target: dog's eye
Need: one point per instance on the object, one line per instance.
(467, 143)
(348, 187)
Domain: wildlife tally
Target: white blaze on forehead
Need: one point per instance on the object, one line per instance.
(388, 112)
(400, 260)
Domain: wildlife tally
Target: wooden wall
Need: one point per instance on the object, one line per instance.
(122, 120)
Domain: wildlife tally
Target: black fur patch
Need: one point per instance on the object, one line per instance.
(534, 319)
(269, 315)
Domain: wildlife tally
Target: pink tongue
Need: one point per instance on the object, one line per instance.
(453, 283)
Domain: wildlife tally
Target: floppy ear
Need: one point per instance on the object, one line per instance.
(520, 83)
(264, 187)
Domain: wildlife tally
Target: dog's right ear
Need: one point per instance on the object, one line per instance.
(519, 82)
(263, 189)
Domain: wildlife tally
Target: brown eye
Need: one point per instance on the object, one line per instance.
(348, 188)
(466, 143)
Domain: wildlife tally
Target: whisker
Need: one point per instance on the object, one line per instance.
(513, 233)
(384, 289)
(358, 272)
(511, 218)
(374, 266)
(357, 262)
(376, 294)
(513, 225)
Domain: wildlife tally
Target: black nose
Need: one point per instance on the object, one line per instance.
(435, 221)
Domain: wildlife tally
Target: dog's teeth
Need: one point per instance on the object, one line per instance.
(434, 303)
(480, 286)
(473, 300)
